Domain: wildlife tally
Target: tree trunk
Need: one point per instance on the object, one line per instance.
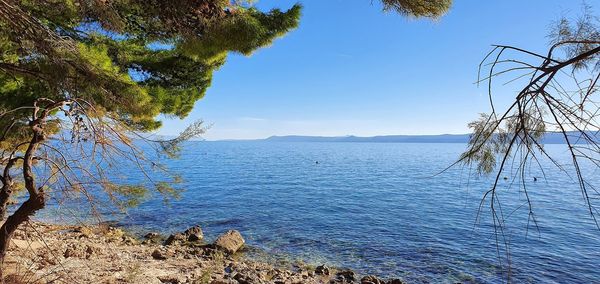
(7, 187)
(26, 210)
(5, 192)
(37, 199)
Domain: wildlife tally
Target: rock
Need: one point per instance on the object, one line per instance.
(230, 242)
(171, 279)
(152, 238)
(322, 270)
(345, 276)
(224, 281)
(159, 254)
(371, 279)
(228, 268)
(27, 245)
(71, 252)
(91, 260)
(108, 224)
(129, 240)
(84, 231)
(90, 251)
(243, 278)
(79, 251)
(239, 277)
(175, 238)
(194, 234)
(151, 235)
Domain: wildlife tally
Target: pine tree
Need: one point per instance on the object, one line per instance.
(102, 70)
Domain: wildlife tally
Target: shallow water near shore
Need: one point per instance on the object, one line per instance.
(379, 208)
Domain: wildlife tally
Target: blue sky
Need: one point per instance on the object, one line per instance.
(350, 69)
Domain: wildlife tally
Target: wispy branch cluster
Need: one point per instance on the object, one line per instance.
(558, 93)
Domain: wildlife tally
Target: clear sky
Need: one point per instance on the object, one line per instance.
(350, 69)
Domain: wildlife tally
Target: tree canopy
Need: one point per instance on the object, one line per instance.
(418, 8)
(131, 59)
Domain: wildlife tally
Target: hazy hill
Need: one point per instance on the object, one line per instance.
(550, 138)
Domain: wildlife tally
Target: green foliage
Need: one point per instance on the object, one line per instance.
(106, 53)
(126, 196)
(172, 147)
(492, 137)
(243, 33)
(487, 140)
(167, 189)
(576, 36)
(418, 8)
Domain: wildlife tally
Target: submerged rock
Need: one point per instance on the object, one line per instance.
(230, 242)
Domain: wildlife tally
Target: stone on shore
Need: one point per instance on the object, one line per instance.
(175, 238)
(230, 242)
(79, 251)
(371, 279)
(109, 257)
(152, 238)
(151, 235)
(194, 234)
(322, 270)
(159, 254)
(344, 276)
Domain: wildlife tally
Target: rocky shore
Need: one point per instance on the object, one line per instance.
(47, 253)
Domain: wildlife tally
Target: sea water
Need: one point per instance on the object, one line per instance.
(383, 208)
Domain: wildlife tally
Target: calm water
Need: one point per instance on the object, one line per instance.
(378, 208)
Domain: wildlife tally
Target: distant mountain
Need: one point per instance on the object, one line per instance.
(550, 138)
(446, 138)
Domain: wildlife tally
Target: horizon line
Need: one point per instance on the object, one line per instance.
(329, 136)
